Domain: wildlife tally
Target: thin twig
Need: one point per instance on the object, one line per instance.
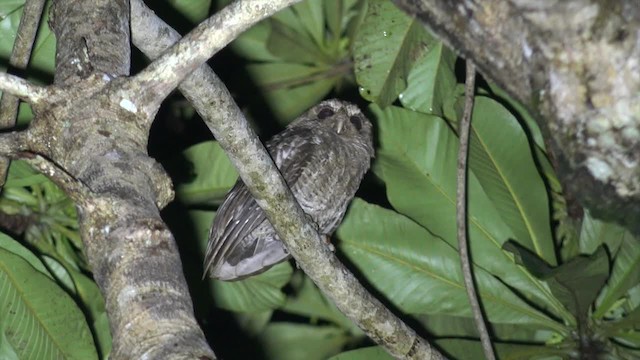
(461, 212)
(19, 59)
(21, 88)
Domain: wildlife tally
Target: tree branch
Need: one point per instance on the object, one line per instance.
(574, 64)
(21, 88)
(19, 59)
(199, 45)
(461, 213)
(25, 38)
(96, 150)
(223, 117)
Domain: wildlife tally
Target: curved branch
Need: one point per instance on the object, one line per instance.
(198, 46)
(223, 117)
(21, 88)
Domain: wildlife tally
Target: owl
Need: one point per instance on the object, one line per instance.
(322, 155)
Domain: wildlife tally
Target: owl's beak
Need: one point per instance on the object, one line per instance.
(340, 125)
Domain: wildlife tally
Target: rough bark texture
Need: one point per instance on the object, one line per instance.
(94, 142)
(576, 65)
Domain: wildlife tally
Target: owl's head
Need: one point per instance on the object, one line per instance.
(346, 119)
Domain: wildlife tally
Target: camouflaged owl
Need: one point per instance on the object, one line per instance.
(322, 156)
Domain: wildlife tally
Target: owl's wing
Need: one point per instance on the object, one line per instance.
(241, 241)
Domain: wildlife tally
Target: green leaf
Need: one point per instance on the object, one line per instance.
(40, 321)
(85, 291)
(291, 88)
(289, 45)
(528, 119)
(384, 50)
(311, 15)
(624, 274)
(334, 13)
(446, 326)
(7, 243)
(417, 162)
(253, 323)
(61, 275)
(501, 159)
(195, 11)
(419, 273)
(594, 233)
(431, 81)
(254, 294)
(287, 341)
(215, 175)
(369, 353)
(523, 256)
(252, 44)
(471, 349)
(91, 298)
(307, 300)
(577, 283)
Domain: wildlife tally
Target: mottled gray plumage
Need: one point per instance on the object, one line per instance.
(322, 156)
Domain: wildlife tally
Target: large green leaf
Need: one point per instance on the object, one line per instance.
(7, 243)
(292, 46)
(431, 81)
(465, 349)
(578, 282)
(532, 125)
(39, 320)
(252, 44)
(447, 326)
(501, 159)
(85, 291)
(288, 341)
(417, 162)
(254, 294)
(292, 88)
(214, 175)
(624, 275)
(595, 233)
(420, 273)
(308, 301)
(387, 45)
(311, 14)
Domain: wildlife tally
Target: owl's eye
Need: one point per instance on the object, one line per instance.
(325, 113)
(356, 121)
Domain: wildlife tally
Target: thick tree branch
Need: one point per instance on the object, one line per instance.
(91, 143)
(575, 64)
(214, 103)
